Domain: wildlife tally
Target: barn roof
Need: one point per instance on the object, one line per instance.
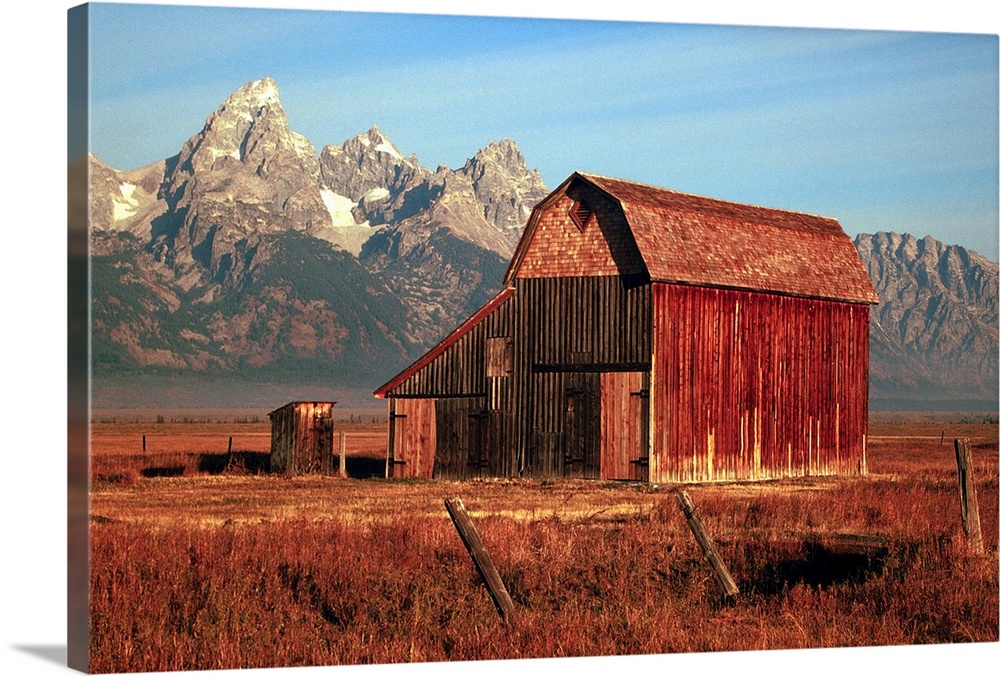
(689, 239)
(446, 342)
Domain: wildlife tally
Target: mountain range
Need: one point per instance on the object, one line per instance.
(933, 335)
(249, 269)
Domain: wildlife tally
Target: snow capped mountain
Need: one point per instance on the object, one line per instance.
(250, 127)
(367, 162)
(247, 172)
(248, 253)
(504, 186)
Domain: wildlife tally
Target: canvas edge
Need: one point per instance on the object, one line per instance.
(78, 332)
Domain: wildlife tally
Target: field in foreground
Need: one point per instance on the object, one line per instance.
(200, 560)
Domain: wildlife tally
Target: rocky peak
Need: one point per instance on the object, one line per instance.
(502, 155)
(375, 140)
(909, 266)
(366, 162)
(244, 174)
(504, 186)
(249, 127)
(936, 325)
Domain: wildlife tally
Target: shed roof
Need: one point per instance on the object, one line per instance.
(689, 239)
(299, 402)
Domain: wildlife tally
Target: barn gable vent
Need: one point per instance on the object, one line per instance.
(580, 212)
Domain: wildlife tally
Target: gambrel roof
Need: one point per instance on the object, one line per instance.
(694, 240)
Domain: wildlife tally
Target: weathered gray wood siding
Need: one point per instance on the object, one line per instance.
(302, 438)
(569, 330)
(460, 370)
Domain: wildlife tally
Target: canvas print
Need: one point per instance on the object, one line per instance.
(411, 338)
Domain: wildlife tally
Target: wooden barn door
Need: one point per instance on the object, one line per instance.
(461, 427)
(412, 438)
(625, 426)
(582, 451)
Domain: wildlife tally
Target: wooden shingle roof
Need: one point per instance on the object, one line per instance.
(689, 239)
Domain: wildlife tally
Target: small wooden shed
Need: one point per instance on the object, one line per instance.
(302, 437)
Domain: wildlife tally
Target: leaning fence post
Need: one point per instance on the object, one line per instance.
(967, 492)
(707, 546)
(474, 544)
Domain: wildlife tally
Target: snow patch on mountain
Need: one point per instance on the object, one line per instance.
(386, 147)
(125, 205)
(350, 238)
(340, 208)
(222, 152)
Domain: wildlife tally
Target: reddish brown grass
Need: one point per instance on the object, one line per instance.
(241, 570)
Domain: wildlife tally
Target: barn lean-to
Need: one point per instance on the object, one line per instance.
(650, 335)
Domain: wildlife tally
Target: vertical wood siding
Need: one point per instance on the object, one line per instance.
(413, 435)
(461, 426)
(461, 369)
(624, 425)
(566, 332)
(479, 377)
(753, 386)
(582, 426)
(540, 413)
(574, 322)
(302, 438)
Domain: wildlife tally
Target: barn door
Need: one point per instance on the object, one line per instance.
(412, 438)
(461, 423)
(581, 425)
(625, 426)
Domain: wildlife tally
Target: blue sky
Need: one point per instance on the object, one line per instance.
(884, 130)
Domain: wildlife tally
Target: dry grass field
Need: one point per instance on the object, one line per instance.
(202, 560)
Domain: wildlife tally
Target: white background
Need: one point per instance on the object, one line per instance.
(32, 262)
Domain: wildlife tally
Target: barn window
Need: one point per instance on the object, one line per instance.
(498, 357)
(580, 212)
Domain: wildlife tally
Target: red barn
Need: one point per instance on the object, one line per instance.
(651, 335)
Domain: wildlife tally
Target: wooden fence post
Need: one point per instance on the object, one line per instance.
(706, 544)
(474, 544)
(229, 448)
(143, 444)
(967, 492)
(343, 454)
